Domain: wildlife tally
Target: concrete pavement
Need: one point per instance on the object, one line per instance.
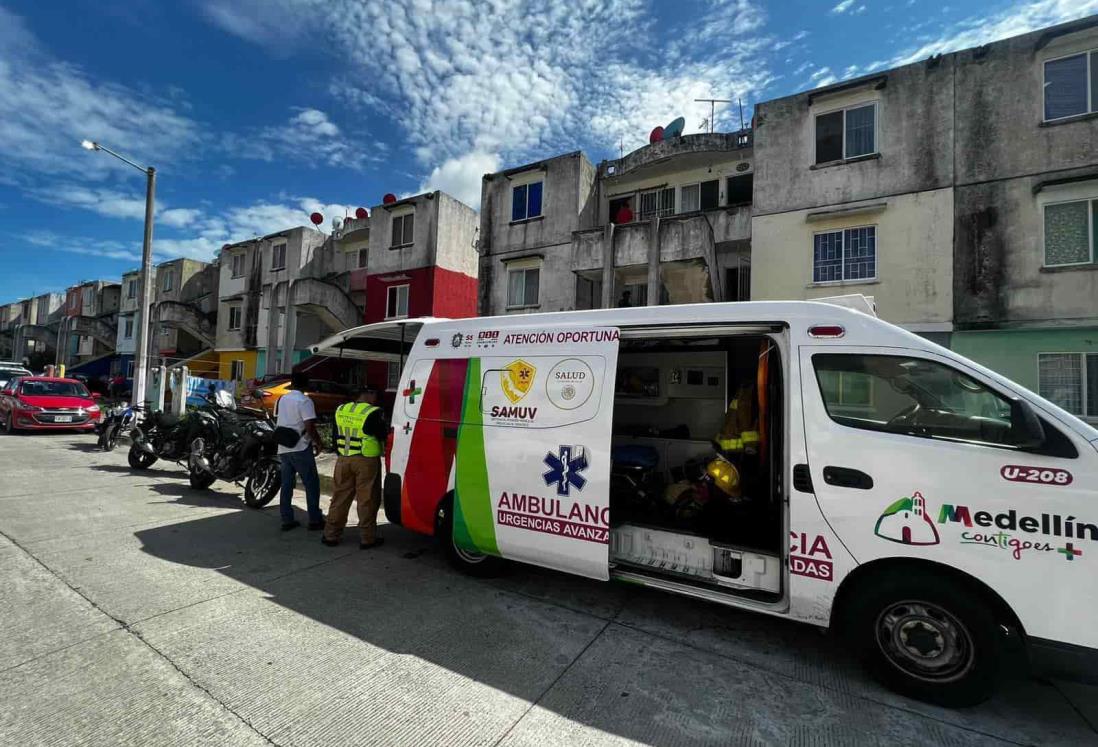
(136, 611)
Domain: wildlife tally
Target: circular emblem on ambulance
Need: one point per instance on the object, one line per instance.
(456, 340)
(569, 384)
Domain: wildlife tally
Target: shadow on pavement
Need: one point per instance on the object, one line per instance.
(86, 448)
(217, 496)
(625, 660)
(123, 469)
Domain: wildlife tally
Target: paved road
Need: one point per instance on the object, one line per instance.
(137, 611)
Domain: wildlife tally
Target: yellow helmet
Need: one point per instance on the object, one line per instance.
(725, 476)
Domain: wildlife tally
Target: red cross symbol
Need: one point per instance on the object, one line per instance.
(412, 392)
(1069, 551)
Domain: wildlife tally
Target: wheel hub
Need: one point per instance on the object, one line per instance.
(925, 641)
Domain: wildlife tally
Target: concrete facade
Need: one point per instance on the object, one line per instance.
(33, 328)
(982, 202)
(184, 312)
(684, 235)
(90, 327)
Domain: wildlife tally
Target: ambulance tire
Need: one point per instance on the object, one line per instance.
(928, 637)
(472, 564)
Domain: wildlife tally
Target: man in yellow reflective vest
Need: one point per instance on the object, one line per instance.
(360, 435)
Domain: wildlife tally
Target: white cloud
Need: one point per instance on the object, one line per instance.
(518, 82)
(1019, 18)
(178, 217)
(309, 136)
(842, 7)
(461, 177)
(47, 107)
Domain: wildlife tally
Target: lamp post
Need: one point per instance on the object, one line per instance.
(140, 356)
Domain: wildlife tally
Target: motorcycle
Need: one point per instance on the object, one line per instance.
(118, 421)
(160, 435)
(235, 446)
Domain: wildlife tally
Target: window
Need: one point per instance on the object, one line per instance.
(847, 133)
(129, 369)
(588, 292)
(234, 317)
(526, 201)
(167, 286)
(165, 331)
(238, 264)
(741, 189)
(850, 254)
(396, 302)
(621, 210)
(127, 331)
(131, 289)
(911, 397)
(236, 370)
(658, 202)
(363, 255)
(737, 284)
(1071, 232)
(1071, 381)
(704, 196)
(278, 257)
(392, 378)
(1071, 87)
(522, 287)
(403, 230)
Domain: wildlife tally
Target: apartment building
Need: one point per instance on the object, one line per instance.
(33, 325)
(184, 312)
(961, 192)
(667, 223)
(89, 327)
(129, 316)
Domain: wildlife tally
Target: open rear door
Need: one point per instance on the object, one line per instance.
(532, 478)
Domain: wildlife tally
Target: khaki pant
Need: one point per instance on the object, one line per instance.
(356, 478)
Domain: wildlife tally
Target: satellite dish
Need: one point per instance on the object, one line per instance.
(362, 214)
(389, 199)
(674, 129)
(656, 135)
(337, 223)
(316, 218)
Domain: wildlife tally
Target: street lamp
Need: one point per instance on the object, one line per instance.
(140, 357)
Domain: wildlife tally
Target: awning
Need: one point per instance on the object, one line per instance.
(383, 341)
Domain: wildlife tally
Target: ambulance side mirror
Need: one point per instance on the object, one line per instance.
(1025, 425)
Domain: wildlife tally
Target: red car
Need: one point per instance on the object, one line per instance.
(41, 403)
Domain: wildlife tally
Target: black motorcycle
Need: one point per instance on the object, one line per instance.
(118, 421)
(160, 435)
(235, 446)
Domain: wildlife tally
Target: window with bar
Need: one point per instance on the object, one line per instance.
(849, 254)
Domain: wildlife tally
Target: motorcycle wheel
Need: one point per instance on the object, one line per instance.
(201, 480)
(140, 459)
(109, 438)
(262, 484)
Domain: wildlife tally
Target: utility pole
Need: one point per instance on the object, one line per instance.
(713, 110)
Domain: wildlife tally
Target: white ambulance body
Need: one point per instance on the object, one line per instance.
(937, 513)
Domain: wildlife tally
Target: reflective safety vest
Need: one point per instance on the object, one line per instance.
(739, 429)
(350, 439)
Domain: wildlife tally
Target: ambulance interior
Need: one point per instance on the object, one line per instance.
(696, 452)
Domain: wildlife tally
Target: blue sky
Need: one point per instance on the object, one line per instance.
(257, 112)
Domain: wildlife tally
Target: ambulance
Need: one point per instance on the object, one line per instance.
(804, 460)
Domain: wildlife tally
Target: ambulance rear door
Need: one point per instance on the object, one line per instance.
(532, 467)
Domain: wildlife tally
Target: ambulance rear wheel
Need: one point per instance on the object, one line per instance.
(927, 637)
(466, 561)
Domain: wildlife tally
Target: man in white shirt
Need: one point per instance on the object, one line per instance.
(297, 413)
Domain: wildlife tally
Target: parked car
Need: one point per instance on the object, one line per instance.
(47, 403)
(326, 395)
(8, 373)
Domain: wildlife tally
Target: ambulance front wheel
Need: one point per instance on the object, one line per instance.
(466, 561)
(927, 637)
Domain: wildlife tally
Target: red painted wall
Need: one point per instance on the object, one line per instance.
(455, 294)
(74, 301)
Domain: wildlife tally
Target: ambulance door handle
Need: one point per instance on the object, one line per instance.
(845, 477)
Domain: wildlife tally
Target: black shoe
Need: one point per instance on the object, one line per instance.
(314, 525)
(371, 545)
(329, 543)
(288, 525)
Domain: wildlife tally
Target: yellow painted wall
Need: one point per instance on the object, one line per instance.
(226, 358)
(914, 256)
